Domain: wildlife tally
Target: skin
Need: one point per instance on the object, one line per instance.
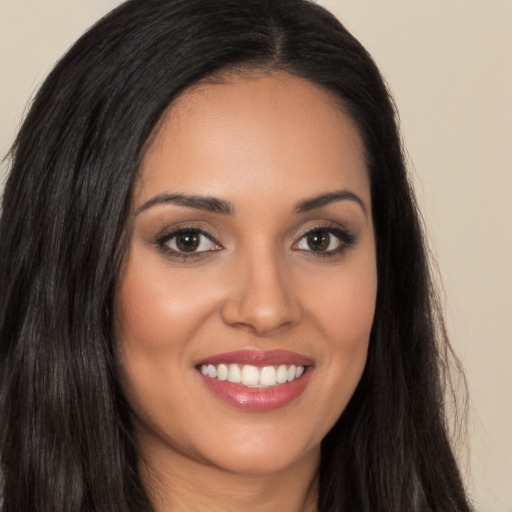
(264, 143)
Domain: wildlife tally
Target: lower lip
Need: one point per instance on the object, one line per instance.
(258, 399)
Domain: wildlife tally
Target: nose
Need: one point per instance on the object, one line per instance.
(262, 297)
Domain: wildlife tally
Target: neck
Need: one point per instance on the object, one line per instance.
(180, 484)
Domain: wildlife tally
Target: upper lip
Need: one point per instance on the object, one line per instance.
(258, 358)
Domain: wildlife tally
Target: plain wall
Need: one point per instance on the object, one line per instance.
(449, 66)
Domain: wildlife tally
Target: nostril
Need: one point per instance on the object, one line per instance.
(261, 297)
(260, 317)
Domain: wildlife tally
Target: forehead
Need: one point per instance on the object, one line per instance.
(264, 132)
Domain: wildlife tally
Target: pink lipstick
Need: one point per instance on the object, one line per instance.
(256, 380)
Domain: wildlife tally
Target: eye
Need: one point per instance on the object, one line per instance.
(325, 240)
(187, 241)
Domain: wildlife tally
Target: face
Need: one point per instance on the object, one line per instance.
(244, 310)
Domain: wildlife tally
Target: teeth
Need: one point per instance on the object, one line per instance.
(268, 376)
(212, 371)
(222, 372)
(234, 373)
(282, 374)
(250, 375)
(253, 376)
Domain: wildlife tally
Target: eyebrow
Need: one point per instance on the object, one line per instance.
(205, 203)
(216, 205)
(325, 199)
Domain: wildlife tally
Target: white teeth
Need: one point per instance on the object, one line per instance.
(222, 372)
(282, 374)
(250, 375)
(268, 376)
(253, 376)
(212, 371)
(234, 373)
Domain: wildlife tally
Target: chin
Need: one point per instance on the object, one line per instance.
(263, 451)
(266, 462)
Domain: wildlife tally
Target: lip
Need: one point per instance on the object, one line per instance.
(258, 358)
(258, 399)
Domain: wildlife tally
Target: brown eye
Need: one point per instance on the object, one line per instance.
(188, 241)
(318, 240)
(325, 241)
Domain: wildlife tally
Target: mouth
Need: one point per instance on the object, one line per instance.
(255, 380)
(253, 376)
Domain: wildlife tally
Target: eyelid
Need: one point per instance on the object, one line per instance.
(162, 240)
(346, 236)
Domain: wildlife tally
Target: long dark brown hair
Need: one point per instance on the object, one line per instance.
(66, 439)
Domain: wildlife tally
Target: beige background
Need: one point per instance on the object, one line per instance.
(449, 65)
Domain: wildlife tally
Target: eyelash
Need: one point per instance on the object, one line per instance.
(346, 237)
(163, 240)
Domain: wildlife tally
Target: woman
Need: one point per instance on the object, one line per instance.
(215, 291)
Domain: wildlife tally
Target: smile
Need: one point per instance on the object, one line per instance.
(253, 376)
(256, 380)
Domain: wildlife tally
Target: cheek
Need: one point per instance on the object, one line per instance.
(351, 317)
(155, 318)
(158, 311)
(153, 325)
(343, 302)
(345, 318)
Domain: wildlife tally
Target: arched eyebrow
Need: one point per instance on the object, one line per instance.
(216, 205)
(325, 199)
(206, 203)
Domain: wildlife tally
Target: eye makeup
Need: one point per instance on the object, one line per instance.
(187, 242)
(326, 240)
(193, 241)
